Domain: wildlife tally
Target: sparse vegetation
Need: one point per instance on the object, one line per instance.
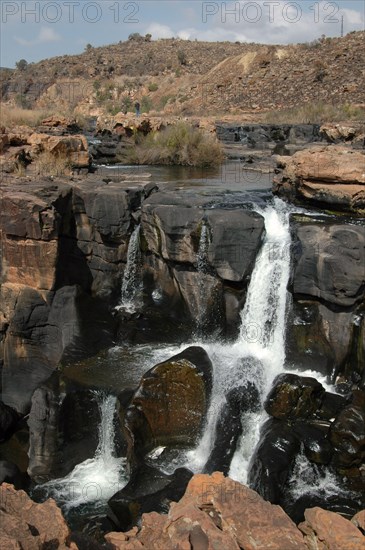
(152, 87)
(48, 164)
(180, 144)
(315, 113)
(17, 116)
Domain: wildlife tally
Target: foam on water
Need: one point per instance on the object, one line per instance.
(95, 480)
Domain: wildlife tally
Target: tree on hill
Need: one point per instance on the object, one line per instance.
(21, 65)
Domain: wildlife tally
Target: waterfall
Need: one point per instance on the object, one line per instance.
(202, 267)
(132, 284)
(96, 479)
(262, 332)
(258, 355)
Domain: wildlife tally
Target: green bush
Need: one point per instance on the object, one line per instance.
(180, 144)
(152, 87)
(146, 104)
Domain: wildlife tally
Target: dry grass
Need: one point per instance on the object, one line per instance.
(315, 113)
(48, 164)
(180, 144)
(16, 116)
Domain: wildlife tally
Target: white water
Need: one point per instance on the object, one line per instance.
(202, 265)
(97, 479)
(308, 478)
(131, 284)
(259, 352)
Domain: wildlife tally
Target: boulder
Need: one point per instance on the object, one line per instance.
(31, 525)
(331, 176)
(273, 459)
(294, 396)
(170, 404)
(334, 531)
(215, 512)
(347, 434)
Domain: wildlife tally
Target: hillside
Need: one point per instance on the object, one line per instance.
(193, 78)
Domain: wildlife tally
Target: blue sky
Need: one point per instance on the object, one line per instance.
(35, 30)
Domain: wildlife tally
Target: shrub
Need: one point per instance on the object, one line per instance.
(152, 87)
(146, 104)
(180, 144)
(181, 55)
(21, 65)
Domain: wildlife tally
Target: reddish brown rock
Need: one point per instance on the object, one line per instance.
(18, 512)
(333, 176)
(215, 513)
(359, 520)
(326, 530)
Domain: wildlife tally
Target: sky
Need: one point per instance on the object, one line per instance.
(35, 30)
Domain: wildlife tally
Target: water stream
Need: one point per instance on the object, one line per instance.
(131, 299)
(96, 479)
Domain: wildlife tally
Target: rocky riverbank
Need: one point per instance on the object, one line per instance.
(214, 512)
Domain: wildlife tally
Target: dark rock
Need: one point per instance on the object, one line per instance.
(332, 404)
(314, 437)
(230, 427)
(170, 405)
(331, 263)
(273, 459)
(74, 326)
(148, 490)
(347, 435)
(43, 432)
(294, 396)
(8, 421)
(236, 239)
(10, 473)
(334, 503)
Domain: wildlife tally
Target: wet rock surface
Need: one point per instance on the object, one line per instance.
(170, 405)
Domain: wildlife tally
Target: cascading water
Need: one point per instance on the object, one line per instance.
(202, 266)
(258, 354)
(95, 480)
(131, 284)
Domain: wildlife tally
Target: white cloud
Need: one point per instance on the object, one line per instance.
(45, 35)
(160, 31)
(279, 22)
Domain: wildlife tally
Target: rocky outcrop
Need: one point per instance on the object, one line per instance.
(170, 404)
(330, 530)
(63, 249)
(326, 427)
(25, 524)
(21, 146)
(215, 512)
(345, 132)
(331, 177)
(172, 227)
